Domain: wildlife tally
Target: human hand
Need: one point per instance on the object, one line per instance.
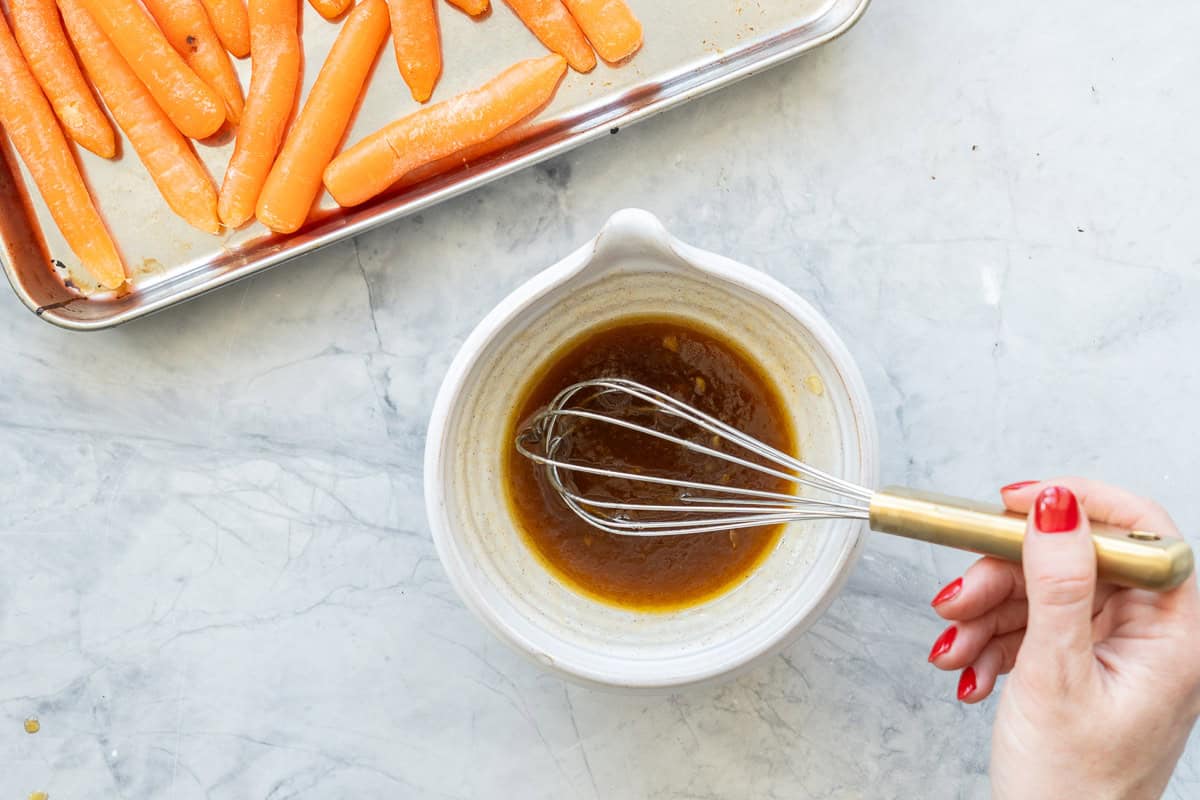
(1105, 682)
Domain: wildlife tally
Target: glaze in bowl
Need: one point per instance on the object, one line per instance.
(634, 268)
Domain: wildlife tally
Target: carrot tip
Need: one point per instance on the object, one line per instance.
(211, 225)
(107, 151)
(622, 59)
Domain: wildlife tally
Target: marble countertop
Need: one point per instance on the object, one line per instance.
(216, 579)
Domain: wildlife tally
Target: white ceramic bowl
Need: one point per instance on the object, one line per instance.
(634, 268)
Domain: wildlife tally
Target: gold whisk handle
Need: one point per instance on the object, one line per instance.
(1128, 558)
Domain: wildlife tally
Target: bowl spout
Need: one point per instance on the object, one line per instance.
(631, 234)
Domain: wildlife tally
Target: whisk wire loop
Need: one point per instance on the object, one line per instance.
(702, 507)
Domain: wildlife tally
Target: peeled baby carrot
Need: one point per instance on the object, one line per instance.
(379, 160)
(169, 158)
(609, 25)
(274, 79)
(35, 24)
(295, 180)
(26, 115)
(186, 24)
(551, 23)
(418, 45)
(194, 108)
(472, 7)
(232, 24)
(464, 158)
(330, 9)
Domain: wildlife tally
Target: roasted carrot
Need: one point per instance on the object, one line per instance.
(472, 7)
(379, 160)
(551, 23)
(29, 120)
(295, 180)
(330, 9)
(194, 108)
(232, 24)
(609, 25)
(468, 155)
(36, 26)
(418, 45)
(169, 158)
(188, 29)
(274, 78)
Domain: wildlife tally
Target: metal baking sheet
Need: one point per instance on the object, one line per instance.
(691, 48)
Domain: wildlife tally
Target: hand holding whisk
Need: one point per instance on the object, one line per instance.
(666, 505)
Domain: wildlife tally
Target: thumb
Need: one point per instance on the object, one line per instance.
(1059, 561)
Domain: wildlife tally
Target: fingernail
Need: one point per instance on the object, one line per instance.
(948, 592)
(1012, 487)
(1055, 510)
(966, 683)
(943, 643)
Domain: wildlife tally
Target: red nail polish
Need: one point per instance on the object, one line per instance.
(943, 643)
(966, 683)
(948, 592)
(1012, 487)
(1055, 510)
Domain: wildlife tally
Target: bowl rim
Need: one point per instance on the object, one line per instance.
(645, 226)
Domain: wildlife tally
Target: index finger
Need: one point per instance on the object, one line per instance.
(986, 584)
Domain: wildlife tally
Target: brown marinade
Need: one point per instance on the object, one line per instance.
(693, 364)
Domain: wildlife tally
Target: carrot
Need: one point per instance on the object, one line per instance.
(468, 156)
(186, 24)
(295, 180)
(35, 24)
(472, 7)
(232, 24)
(330, 9)
(274, 79)
(418, 45)
(379, 160)
(27, 116)
(551, 23)
(170, 160)
(192, 106)
(609, 25)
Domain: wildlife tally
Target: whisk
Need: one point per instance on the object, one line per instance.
(1130, 558)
